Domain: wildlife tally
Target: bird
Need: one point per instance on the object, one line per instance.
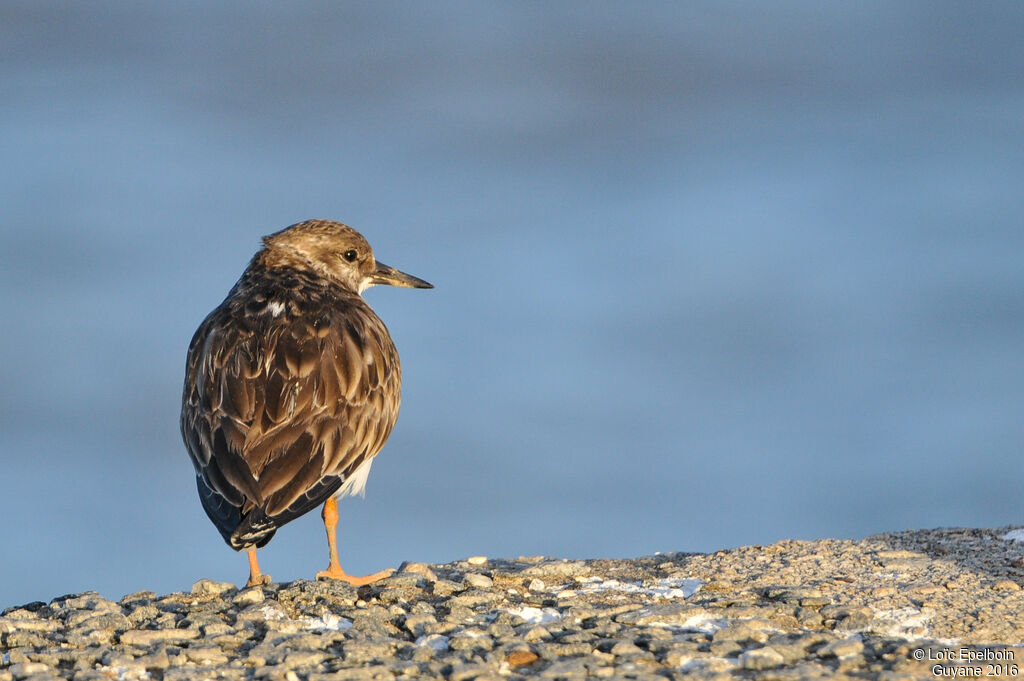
(292, 387)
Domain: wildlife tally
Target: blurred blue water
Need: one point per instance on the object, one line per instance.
(706, 276)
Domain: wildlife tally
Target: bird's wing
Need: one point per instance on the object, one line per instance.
(288, 406)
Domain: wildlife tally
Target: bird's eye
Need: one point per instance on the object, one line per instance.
(350, 255)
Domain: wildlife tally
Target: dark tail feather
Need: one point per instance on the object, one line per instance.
(239, 533)
(256, 528)
(224, 515)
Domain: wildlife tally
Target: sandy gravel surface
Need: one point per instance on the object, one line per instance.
(923, 604)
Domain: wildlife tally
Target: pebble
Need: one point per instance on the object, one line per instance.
(420, 625)
(446, 587)
(742, 631)
(761, 658)
(147, 637)
(842, 648)
(790, 611)
(420, 569)
(206, 655)
(211, 588)
(478, 580)
(537, 634)
(433, 641)
(249, 596)
(24, 670)
(625, 648)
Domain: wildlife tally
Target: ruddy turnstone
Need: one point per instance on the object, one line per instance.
(292, 386)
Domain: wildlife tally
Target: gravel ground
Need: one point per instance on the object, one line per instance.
(793, 610)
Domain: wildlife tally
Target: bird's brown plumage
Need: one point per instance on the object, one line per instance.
(291, 384)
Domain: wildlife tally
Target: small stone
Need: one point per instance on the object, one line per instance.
(478, 580)
(477, 560)
(12, 624)
(669, 614)
(420, 625)
(147, 637)
(155, 660)
(847, 617)
(841, 649)
(725, 648)
(761, 658)
(208, 587)
(573, 668)
(392, 596)
(1006, 585)
(215, 628)
(790, 594)
(474, 597)
(458, 614)
(626, 648)
(927, 589)
(25, 639)
(171, 606)
(814, 601)
(249, 596)
(187, 673)
(435, 641)
(558, 568)
(536, 585)
(742, 632)
(102, 626)
(143, 614)
(232, 640)
(25, 669)
(444, 587)
(304, 658)
(402, 580)
(206, 655)
(552, 650)
(467, 671)
(537, 634)
(418, 568)
(808, 618)
(137, 596)
(501, 631)
(471, 640)
(791, 652)
(89, 600)
(518, 658)
(14, 656)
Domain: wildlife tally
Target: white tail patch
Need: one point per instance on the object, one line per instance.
(276, 307)
(356, 483)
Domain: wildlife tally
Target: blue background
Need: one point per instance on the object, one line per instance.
(707, 274)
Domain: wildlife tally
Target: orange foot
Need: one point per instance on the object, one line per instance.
(258, 580)
(335, 572)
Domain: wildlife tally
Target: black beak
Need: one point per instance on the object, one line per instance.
(392, 277)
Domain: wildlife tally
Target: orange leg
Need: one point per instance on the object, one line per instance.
(334, 571)
(256, 578)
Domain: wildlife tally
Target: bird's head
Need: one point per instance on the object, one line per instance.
(335, 251)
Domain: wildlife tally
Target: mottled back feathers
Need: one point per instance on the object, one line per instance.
(291, 384)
